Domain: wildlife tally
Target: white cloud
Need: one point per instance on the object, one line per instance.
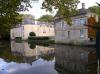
(88, 3)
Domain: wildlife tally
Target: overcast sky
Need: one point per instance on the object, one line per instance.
(37, 11)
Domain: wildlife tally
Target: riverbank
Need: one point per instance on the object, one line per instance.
(78, 43)
(42, 42)
(37, 42)
(73, 43)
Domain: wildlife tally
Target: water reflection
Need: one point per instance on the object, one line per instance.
(38, 67)
(75, 60)
(31, 54)
(28, 58)
(6, 67)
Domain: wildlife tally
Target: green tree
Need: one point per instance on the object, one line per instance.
(66, 8)
(28, 16)
(96, 26)
(32, 34)
(9, 15)
(46, 18)
(95, 9)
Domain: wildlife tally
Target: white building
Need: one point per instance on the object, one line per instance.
(39, 28)
(78, 31)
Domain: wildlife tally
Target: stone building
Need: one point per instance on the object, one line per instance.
(41, 29)
(78, 32)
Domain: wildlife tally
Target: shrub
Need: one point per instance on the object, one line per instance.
(32, 46)
(38, 38)
(32, 34)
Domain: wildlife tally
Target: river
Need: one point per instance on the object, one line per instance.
(29, 58)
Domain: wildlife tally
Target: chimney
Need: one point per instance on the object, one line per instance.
(83, 5)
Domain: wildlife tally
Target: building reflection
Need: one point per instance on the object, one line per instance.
(75, 60)
(31, 52)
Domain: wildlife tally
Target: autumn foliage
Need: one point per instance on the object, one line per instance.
(91, 31)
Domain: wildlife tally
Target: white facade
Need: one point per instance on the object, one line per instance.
(75, 33)
(42, 29)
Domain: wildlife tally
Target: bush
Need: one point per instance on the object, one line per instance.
(32, 34)
(32, 46)
(38, 38)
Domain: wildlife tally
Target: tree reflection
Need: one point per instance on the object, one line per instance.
(24, 52)
(6, 54)
(48, 57)
(32, 45)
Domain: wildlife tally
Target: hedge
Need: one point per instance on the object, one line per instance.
(38, 38)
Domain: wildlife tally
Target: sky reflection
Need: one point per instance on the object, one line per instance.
(24, 68)
(8, 68)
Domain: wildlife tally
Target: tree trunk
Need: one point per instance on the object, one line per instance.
(98, 44)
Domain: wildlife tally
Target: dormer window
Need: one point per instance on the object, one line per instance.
(80, 21)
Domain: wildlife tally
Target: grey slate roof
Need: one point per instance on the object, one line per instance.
(28, 21)
(82, 11)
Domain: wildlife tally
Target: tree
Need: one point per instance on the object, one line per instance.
(96, 26)
(98, 36)
(46, 18)
(9, 15)
(32, 34)
(28, 16)
(66, 8)
(95, 9)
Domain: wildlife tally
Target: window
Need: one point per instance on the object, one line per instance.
(12, 34)
(77, 22)
(40, 25)
(63, 33)
(44, 31)
(23, 34)
(49, 29)
(80, 21)
(68, 34)
(81, 33)
(83, 21)
(62, 24)
(23, 27)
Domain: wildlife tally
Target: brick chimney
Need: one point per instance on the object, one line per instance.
(83, 5)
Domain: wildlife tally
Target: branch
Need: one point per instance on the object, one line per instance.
(98, 3)
(94, 27)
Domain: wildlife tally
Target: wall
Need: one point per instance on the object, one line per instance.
(65, 33)
(40, 30)
(77, 32)
(29, 28)
(16, 32)
(46, 30)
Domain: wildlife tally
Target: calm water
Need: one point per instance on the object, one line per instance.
(29, 58)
